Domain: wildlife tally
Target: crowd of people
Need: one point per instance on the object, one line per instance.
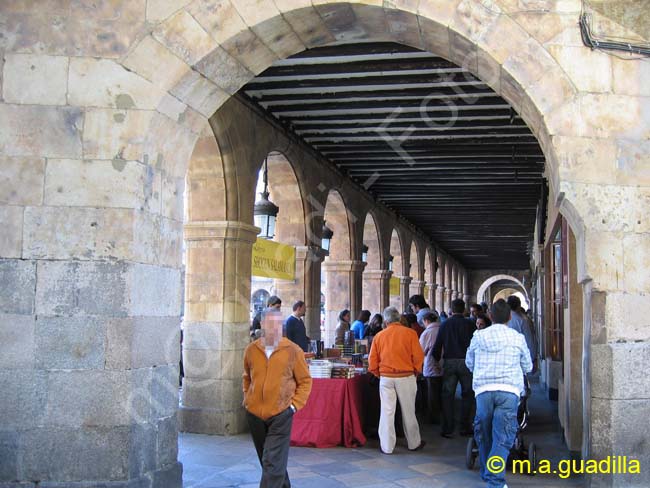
(425, 354)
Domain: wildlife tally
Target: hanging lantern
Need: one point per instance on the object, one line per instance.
(327, 237)
(364, 253)
(390, 262)
(265, 212)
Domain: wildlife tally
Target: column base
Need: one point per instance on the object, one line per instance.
(212, 421)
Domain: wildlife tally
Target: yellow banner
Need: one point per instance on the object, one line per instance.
(426, 292)
(274, 260)
(394, 286)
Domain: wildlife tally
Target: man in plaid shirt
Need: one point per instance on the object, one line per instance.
(499, 358)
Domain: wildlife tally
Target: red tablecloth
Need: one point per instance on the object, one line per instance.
(332, 416)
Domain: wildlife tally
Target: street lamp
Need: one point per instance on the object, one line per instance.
(364, 253)
(327, 237)
(265, 212)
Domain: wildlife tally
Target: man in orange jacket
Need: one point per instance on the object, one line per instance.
(396, 357)
(276, 385)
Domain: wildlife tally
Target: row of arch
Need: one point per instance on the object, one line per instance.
(417, 265)
(285, 190)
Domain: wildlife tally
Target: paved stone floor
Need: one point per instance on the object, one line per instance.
(215, 461)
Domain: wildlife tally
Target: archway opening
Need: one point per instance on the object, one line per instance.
(337, 265)
(396, 266)
(373, 286)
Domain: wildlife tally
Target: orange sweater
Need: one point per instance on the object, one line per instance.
(272, 384)
(396, 352)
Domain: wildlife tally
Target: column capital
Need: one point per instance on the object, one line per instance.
(207, 230)
(432, 286)
(312, 253)
(343, 266)
(418, 283)
(405, 280)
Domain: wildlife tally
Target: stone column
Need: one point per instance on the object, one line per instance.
(431, 296)
(404, 288)
(440, 298)
(343, 291)
(305, 287)
(216, 325)
(416, 288)
(448, 299)
(376, 289)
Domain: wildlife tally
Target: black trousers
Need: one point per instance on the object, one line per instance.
(434, 398)
(454, 371)
(271, 438)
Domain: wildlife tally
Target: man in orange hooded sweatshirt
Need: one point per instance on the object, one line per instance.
(276, 385)
(396, 357)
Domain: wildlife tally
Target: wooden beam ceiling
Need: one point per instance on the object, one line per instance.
(423, 135)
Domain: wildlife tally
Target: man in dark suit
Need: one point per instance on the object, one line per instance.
(294, 327)
(451, 345)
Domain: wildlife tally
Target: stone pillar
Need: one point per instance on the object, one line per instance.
(376, 289)
(404, 289)
(343, 291)
(89, 320)
(305, 287)
(216, 325)
(440, 298)
(447, 299)
(416, 288)
(431, 296)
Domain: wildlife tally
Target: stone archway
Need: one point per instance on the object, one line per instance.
(480, 294)
(375, 278)
(145, 120)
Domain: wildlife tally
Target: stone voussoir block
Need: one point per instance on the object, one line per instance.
(105, 83)
(185, 37)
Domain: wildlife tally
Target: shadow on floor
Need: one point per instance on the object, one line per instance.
(216, 461)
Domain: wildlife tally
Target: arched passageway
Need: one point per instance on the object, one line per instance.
(481, 294)
(103, 113)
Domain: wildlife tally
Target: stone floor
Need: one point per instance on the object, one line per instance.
(215, 461)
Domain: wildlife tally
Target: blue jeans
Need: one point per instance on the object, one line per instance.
(495, 429)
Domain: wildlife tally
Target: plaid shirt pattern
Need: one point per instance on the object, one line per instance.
(498, 356)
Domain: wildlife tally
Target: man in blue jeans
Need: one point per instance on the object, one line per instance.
(499, 358)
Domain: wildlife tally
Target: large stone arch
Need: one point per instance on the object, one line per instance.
(145, 119)
(493, 279)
